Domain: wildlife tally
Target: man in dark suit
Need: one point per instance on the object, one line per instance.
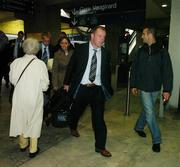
(45, 53)
(88, 78)
(45, 46)
(15, 46)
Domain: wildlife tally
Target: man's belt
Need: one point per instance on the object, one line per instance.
(89, 85)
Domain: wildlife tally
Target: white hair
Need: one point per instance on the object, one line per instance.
(30, 46)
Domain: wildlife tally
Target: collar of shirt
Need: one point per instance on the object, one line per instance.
(43, 46)
(47, 50)
(92, 48)
(85, 79)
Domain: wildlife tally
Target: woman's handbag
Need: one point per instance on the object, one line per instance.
(13, 87)
(60, 108)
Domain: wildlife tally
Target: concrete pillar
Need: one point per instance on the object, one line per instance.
(44, 19)
(54, 22)
(112, 42)
(174, 49)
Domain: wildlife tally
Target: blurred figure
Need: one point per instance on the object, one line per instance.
(45, 53)
(61, 60)
(3, 40)
(46, 49)
(151, 69)
(4, 59)
(15, 46)
(27, 102)
(15, 51)
(61, 35)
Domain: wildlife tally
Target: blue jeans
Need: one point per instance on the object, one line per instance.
(148, 115)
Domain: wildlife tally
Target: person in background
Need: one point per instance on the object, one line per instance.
(150, 70)
(15, 46)
(27, 102)
(88, 78)
(15, 51)
(46, 50)
(45, 53)
(61, 60)
(4, 59)
(62, 34)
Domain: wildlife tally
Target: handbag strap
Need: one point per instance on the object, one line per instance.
(24, 70)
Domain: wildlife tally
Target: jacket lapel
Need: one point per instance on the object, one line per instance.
(103, 54)
(85, 56)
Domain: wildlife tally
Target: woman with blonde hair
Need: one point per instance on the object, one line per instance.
(29, 76)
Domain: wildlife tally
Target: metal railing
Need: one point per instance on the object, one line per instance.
(127, 113)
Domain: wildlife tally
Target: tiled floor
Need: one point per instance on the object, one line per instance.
(59, 149)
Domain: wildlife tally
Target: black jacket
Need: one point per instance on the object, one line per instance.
(51, 51)
(20, 51)
(151, 69)
(77, 66)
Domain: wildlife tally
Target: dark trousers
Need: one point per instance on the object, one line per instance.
(93, 96)
(4, 72)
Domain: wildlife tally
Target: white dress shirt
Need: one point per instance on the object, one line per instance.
(47, 50)
(85, 79)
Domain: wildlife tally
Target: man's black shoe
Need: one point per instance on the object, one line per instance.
(156, 148)
(140, 133)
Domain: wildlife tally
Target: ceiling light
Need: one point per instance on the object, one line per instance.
(164, 5)
(64, 14)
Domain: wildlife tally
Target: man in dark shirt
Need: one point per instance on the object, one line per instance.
(151, 69)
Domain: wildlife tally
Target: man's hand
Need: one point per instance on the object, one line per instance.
(166, 96)
(66, 88)
(135, 91)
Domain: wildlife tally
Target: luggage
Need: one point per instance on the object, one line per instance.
(59, 106)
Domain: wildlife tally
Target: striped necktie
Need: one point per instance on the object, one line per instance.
(44, 56)
(92, 73)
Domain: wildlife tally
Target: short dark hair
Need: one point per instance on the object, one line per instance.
(151, 29)
(64, 38)
(21, 32)
(62, 33)
(98, 27)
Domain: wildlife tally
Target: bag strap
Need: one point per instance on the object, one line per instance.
(24, 70)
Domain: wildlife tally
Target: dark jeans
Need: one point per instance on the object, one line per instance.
(93, 96)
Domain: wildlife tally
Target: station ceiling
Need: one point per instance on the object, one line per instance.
(154, 13)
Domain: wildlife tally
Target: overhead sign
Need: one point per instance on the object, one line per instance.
(108, 11)
(108, 6)
(94, 9)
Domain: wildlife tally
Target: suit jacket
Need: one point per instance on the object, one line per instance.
(11, 49)
(77, 66)
(51, 52)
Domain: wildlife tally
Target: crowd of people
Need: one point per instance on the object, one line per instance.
(85, 73)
